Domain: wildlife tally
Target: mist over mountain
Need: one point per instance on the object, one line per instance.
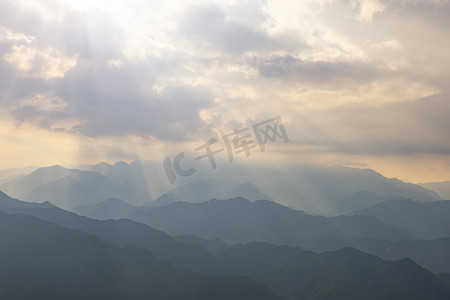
(82, 266)
(312, 188)
(225, 150)
(431, 254)
(109, 209)
(63, 187)
(361, 199)
(239, 220)
(13, 173)
(69, 188)
(200, 191)
(425, 220)
(442, 188)
(324, 209)
(10, 205)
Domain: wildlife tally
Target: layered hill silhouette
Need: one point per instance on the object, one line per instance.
(425, 220)
(66, 188)
(313, 188)
(360, 200)
(239, 221)
(122, 233)
(10, 174)
(442, 188)
(42, 260)
(431, 254)
(109, 209)
(343, 274)
(291, 273)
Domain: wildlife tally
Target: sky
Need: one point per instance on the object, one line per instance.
(361, 83)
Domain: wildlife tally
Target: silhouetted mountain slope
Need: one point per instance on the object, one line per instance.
(425, 220)
(440, 208)
(139, 181)
(124, 232)
(292, 273)
(109, 209)
(8, 175)
(313, 188)
(63, 187)
(445, 277)
(213, 188)
(46, 175)
(197, 192)
(360, 200)
(343, 274)
(247, 190)
(42, 260)
(68, 192)
(10, 205)
(213, 246)
(442, 188)
(239, 220)
(36, 178)
(433, 255)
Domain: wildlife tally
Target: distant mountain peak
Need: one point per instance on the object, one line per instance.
(101, 164)
(120, 163)
(235, 200)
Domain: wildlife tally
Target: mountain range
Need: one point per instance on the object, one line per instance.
(317, 189)
(109, 209)
(442, 188)
(431, 254)
(121, 233)
(305, 275)
(239, 221)
(425, 220)
(298, 231)
(42, 260)
(46, 260)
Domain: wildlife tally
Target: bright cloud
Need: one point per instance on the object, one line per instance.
(174, 72)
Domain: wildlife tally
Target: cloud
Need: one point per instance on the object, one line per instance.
(290, 68)
(346, 74)
(235, 29)
(408, 128)
(77, 59)
(211, 25)
(368, 8)
(43, 63)
(107, 101)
